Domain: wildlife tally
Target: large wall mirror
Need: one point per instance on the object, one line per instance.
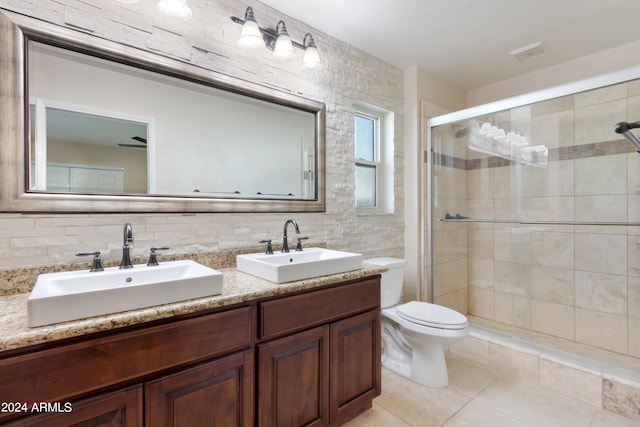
(91, 125)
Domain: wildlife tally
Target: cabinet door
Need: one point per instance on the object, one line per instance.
(214, 394)
(355, 364)
(119, 408)
(293, 380)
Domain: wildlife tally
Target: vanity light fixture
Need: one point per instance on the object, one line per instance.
(175, 9)
(311, 58)
(252, 36)
(284, 46)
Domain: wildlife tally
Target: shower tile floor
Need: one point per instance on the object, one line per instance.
(479, 396)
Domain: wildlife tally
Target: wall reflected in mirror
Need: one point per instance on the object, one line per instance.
(87, 152)
(103, 127)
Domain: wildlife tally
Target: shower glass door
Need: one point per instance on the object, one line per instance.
(481, 255)
(535, 217)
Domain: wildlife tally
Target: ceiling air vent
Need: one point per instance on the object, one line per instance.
(529, 52)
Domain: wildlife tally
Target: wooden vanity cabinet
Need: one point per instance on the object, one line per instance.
(198, 365)
(305, 359)
(217, 393)
(326, 368)
(293, 381)
(121, 408)
(355, 369)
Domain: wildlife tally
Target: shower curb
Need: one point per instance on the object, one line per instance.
(602, 385)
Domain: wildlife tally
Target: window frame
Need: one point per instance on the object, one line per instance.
(378, 120)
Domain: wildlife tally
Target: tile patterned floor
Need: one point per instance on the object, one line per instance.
(479, 396)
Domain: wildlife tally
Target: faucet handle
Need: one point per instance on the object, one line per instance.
(153, 259)
(97, 263)
(299, 245)
(269, 250)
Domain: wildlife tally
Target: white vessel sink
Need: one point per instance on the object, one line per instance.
(59, 297)
(291, 266)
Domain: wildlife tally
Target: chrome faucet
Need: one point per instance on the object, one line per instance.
(126, 247)
(285, 242)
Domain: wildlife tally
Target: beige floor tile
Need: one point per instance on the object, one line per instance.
(468, 377)
(609, 419)
(386, 373)
(477, 414)
(418, 405)
(376, 417)
(536, 405)
(479, 396)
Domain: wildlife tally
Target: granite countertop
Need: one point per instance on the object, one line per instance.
(238, 287)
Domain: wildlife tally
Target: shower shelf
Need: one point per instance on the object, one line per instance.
(528, 222)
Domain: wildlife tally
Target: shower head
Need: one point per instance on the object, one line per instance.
(624, 128)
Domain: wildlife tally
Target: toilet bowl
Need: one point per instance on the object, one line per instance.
(415, 333)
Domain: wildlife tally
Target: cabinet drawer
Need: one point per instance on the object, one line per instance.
(119, 408)
(290, 314)
(62, 372)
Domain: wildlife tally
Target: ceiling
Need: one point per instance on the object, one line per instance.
(467, 42)
(80, 128)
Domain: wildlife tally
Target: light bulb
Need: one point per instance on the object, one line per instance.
(175, 9)
(284, 46)
(250, 35)
(311, 58)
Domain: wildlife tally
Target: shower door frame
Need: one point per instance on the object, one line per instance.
(426, 217)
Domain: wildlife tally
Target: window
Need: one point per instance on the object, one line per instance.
(373, 160)
(367, 133)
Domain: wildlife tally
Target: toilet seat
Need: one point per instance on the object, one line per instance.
(431, 315)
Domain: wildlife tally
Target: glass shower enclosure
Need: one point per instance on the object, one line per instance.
(533, 214)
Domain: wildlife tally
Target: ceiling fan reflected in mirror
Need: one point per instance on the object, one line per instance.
(135, 138)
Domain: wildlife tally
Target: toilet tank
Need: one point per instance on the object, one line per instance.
(391, 281)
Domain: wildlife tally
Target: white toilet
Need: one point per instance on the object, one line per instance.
(414, 334)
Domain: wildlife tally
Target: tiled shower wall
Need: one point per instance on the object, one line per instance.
(578, 282)
(209, 41)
